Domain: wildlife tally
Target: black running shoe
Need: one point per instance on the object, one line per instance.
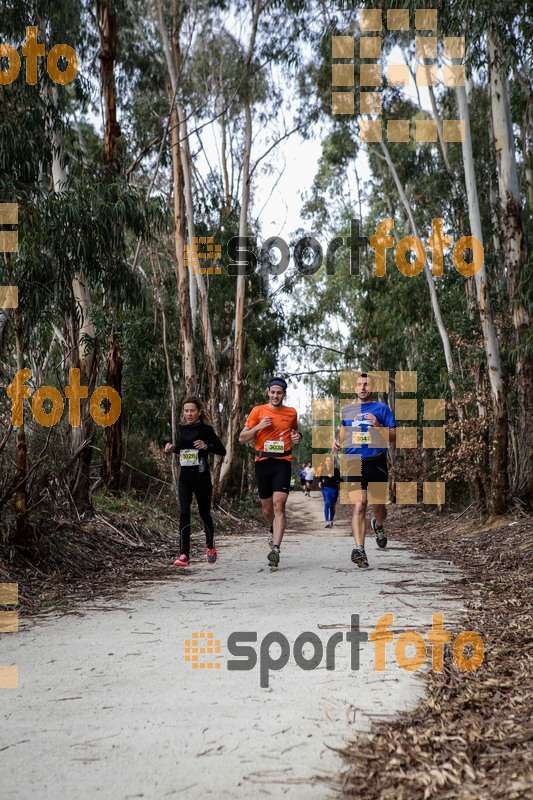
(359, 557)
(381, 539)
(273, 557)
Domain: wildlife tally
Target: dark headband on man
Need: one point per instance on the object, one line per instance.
(277, 382)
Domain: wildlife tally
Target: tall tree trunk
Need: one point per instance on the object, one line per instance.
(107, 28)
(82, 331)
(112, 459)
(21, 494)
(427, 272)
(497, 500)
(238, 341)
(197, 287)
(157, 281)
(184, 304)
(514, 250)
(238, 347)
(180, 222)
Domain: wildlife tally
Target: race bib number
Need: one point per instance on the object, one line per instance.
(274, 446)
(361, 438)
(188, 458)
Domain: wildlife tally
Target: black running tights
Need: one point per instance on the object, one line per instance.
(200, 486)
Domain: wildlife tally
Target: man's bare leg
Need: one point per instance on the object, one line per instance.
(274, 512)
(376, 523)
(359, 528)
(359, 520)
(267, 507)
(280, 519)
(380, 513)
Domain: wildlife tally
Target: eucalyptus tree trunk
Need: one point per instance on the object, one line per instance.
(83, 339)
(514, 253)
(497, 498)
(427, 272)
(197, 284)
(240, 294)
(184, 304)
(157, 282)
(21, 494)
(107, 28)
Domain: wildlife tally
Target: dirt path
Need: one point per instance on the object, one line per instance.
(107, 706)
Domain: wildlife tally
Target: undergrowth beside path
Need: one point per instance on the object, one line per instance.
(471, 739)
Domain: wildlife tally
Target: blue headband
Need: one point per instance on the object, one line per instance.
(277, 382)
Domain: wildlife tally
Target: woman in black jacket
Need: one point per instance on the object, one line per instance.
(197, 439)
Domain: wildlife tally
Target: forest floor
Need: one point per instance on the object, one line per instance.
(471, 737)
(467, 735)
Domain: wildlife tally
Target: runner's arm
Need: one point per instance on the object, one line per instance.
(341, 438)
(247, 435)
(214, 445)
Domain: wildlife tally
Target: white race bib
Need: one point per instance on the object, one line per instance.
(274, 446)
(361, 438)
(189, 458)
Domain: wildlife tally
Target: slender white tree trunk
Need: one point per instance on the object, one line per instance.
(427, 272)
(83, 331)
(238, 349)
(82, 296)
(183, 274)
(197, 287)
(514, 252)
(490, 339)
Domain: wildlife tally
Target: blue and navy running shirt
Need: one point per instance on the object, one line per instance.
(358, 436)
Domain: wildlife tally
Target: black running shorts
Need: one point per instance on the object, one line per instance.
(272, 475)
(373, 470)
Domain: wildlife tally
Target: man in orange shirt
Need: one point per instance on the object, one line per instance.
(273, 428)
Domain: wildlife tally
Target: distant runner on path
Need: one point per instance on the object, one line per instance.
(309, 474)
(196, 440)
(359, 436)
(273, 428)
(329, 481)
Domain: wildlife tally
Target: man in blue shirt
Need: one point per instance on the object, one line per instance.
(367, 427)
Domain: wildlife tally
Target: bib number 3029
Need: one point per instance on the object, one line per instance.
(188, 458)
